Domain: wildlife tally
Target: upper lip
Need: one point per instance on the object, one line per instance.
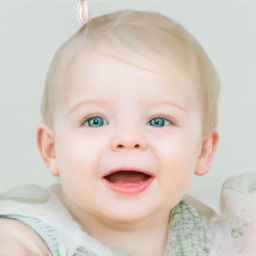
(128, 169)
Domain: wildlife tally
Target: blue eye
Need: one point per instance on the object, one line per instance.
(96, 122)
(159, 122)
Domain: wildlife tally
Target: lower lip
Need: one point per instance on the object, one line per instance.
(129, 190)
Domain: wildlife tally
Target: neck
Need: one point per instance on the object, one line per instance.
(135, 240)
(148, 240)
(144, 237)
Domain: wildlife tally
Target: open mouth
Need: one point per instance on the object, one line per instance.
(127, 181)
(127, 178)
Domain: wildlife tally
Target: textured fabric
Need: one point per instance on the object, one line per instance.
(188, 232)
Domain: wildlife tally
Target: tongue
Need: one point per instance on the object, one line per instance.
(127, 178)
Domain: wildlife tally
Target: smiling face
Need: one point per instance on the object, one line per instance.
(126, 139)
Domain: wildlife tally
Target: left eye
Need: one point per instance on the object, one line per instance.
(159, 122)
(95, 122)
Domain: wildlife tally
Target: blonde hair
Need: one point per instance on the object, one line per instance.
(139, 37)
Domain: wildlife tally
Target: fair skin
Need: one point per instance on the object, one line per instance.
(125, 102)
(125, 142)
(18, 239)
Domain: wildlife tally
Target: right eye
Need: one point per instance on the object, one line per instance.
(95, 122)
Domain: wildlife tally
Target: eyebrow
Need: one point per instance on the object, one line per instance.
(173, 104)
(87, 102)
(104, 102)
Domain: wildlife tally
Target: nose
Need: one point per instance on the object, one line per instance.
(129, 137)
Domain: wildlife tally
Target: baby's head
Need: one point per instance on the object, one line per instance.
(144, 39)
(129, 111)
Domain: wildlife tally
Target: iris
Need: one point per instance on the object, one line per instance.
(159, 122)
(95, 122)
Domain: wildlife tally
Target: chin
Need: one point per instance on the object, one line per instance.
(130, 212)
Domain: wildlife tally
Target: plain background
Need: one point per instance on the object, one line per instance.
(31, 31)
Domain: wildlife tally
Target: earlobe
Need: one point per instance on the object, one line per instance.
(208, 150)
(46, 147)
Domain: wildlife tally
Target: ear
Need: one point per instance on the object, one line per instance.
(46, 147)
(208, 150)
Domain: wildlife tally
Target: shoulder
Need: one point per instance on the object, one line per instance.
(27, 193)
(188, 227)
(17, 238)
(27, 218)
(199, 209)
(194, 212)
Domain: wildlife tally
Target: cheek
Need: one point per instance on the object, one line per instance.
(78, 162)
(77, 155)
(178, 156)
(178, 147)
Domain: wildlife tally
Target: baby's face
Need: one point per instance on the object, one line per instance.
(127, 138)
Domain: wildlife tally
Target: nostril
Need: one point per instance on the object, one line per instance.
(122, 146)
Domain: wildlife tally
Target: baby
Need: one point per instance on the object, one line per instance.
(129, 116)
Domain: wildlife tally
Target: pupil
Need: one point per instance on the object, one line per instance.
(157, 122)
(95, 122)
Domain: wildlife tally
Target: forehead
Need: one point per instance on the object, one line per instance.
(98, 73)
(171, 55)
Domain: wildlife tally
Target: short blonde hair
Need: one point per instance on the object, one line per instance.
(139, 36)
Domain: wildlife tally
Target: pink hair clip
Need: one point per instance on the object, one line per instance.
(83, 11)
